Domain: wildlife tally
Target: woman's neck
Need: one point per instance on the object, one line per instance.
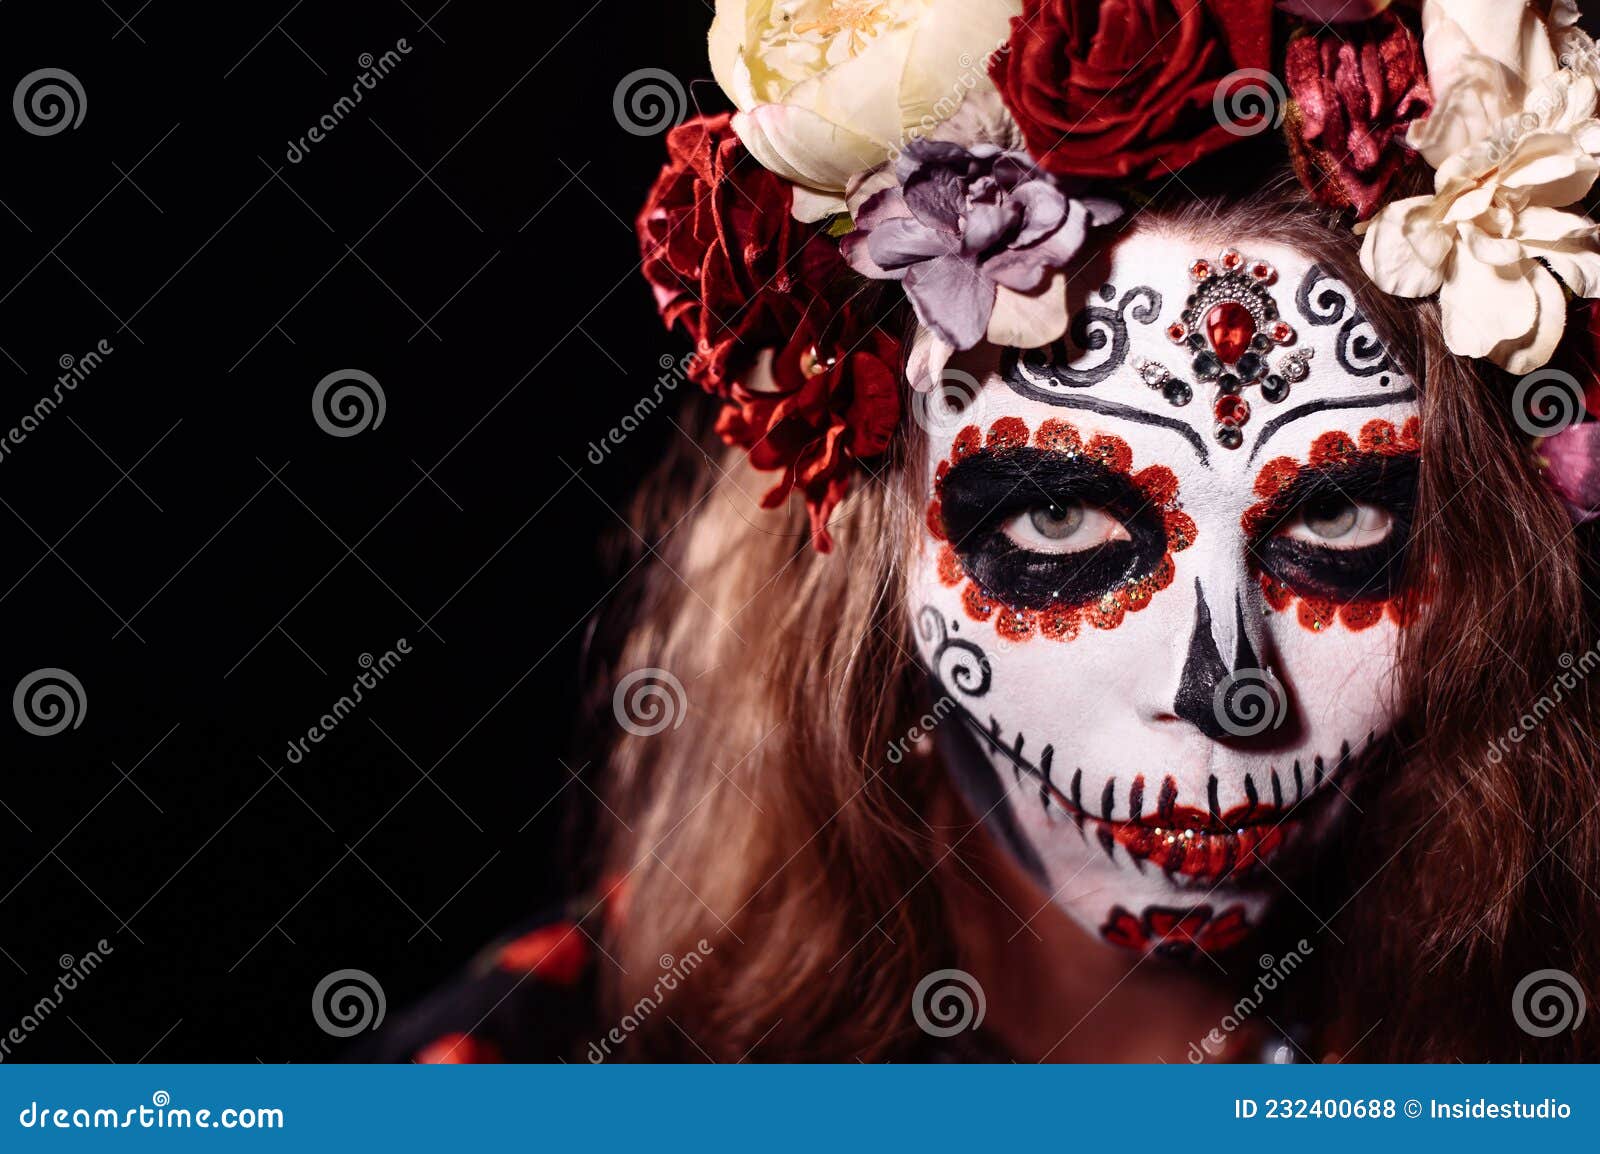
(1056, 993)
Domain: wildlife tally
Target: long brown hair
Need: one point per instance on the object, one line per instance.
(774, 824)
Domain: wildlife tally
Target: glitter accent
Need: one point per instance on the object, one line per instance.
(1061, 622)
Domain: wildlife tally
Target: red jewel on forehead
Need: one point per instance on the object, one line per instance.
(1230, 327)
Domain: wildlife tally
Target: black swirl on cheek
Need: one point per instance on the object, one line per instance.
(1360, 351)
(1094, 330)
(958, 663)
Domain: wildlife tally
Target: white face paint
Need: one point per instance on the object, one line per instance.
(1171, 652)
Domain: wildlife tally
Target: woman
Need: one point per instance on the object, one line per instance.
(1165, 641)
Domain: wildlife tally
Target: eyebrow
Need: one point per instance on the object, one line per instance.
(1369, 401)
(1112, 409)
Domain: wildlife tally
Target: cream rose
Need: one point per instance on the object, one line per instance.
(1484, 58)
(827, 89)
(1496, 213)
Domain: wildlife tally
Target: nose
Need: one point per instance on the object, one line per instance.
(1227, 700)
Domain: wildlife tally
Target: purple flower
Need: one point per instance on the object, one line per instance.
(1572, 467)
(962, 225)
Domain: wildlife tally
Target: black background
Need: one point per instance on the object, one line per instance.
(184, 538)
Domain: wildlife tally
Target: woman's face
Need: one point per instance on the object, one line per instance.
(1160, 582)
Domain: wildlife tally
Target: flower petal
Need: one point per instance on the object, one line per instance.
(1404, 248)
(1484, 306)
(1534, 348)
(951, 299)
(1030, 320)
(802, 147)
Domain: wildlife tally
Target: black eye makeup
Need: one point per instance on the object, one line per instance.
(1340, 530)
(1036, 528)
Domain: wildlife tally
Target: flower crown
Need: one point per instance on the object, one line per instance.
(967, 149)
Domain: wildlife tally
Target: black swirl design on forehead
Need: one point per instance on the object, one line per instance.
(1095, 329)
(1323, 300)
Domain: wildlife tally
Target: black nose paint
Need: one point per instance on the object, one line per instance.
(1198, 701)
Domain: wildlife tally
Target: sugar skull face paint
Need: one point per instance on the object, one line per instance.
(1162, 581)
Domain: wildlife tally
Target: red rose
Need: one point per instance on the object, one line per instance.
(724, 254)
(1125, 88)
(1355, 92)
(781, 328)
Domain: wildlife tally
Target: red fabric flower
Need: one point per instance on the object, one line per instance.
(457, 1050)
(1124, 88)
(780, 329)
(557, 953)
(1355, 92)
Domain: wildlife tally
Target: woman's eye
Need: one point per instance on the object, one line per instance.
(1064, 527)
(1340, 523)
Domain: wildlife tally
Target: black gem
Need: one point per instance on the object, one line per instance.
(1191, 300)
(1206, 365)
(1384, 381)
(1269, 307)
(1107, 292)
(1196, 340)
(1228, 384)
(1250, 367)
(1177, 393)
(1274, 388)
(1229, 436)
(1261, 342)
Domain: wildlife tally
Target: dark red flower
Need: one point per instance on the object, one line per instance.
(1125, 88)
(1355, 92)
(732, 267)
(557, 953)
(1176, 933)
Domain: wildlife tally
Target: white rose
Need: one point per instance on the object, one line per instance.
(1496, 229)
(1484, 57)
(827, 89)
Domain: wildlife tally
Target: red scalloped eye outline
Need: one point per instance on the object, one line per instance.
(1061, 622)
(1318, 614)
